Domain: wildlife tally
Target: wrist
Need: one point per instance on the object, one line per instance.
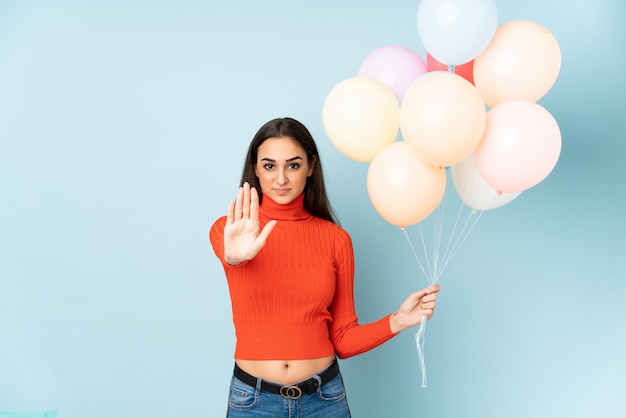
(233, 261)
(394, 323)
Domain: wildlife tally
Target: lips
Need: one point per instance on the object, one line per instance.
(281, 192)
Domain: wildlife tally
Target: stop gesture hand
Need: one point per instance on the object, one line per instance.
(243, 237)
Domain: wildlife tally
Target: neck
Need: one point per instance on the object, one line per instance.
(292, 211)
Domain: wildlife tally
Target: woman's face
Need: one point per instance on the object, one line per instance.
(282, 168)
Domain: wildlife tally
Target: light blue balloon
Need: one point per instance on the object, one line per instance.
(455, 32)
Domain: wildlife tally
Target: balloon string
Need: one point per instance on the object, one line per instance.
(419, 343)
(425, 250)
(438, 231)
(456, 223)
(447, 252)
(419, 262)
(419, 336)
(461, 238)
(450, 252)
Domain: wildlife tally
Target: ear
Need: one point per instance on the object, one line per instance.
(312, 168)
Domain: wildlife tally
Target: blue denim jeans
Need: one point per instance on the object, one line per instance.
(328, 402)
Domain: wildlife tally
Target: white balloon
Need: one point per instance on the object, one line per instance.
(472, 188)
(455, 32)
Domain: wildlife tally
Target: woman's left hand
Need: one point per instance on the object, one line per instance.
(414, 308)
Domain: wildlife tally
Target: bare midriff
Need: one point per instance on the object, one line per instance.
(285, 372)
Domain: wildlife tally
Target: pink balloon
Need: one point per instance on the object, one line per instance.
(520, 147)
(394, 65)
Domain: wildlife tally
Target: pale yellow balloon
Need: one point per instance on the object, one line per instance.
(443, 117)
(361, 116)
(522, 61)
(403, 189)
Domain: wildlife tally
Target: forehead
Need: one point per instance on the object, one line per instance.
(280, 148)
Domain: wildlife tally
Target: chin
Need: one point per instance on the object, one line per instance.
(283, 199)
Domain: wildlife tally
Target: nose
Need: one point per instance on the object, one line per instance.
(282, 177)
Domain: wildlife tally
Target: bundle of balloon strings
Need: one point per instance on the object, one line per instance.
(437, 269)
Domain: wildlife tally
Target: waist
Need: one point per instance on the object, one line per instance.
(290, 390)
(285, 371)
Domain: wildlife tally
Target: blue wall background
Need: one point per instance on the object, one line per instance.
(123, 126)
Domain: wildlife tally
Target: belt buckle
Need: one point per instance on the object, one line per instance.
(290, 392)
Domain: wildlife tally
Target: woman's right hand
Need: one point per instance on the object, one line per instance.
(243, 237)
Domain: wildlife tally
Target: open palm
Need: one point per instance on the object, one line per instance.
(243, 237)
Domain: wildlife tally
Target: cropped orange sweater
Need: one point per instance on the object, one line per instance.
(294, 300)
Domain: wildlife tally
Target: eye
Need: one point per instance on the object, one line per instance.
(268, 166)
(294, 166)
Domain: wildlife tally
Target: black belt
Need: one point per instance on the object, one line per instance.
(294, 391)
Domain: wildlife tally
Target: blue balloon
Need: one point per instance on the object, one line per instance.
(455, 32)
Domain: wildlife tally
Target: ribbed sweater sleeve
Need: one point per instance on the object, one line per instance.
(348, 336)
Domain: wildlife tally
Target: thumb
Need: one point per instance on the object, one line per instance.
(416, 296)
(265, 232)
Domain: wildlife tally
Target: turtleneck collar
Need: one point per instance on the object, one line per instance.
(292, 211)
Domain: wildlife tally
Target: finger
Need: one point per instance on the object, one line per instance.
(428, 294)
(428, 305)
(254, 204)
(428, 311)
(433, 289)
(230, 215)
(429, 298)
(238, 204)
(246, 200)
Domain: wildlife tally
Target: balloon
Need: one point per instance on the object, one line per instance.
(521, 146)
(456, 31)
(361, 116)
(403, 189)
(472, 188)
(443, 117)
(394, 65)
(522, 62)
(464, 70)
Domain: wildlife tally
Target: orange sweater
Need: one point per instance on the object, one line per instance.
(294, 300)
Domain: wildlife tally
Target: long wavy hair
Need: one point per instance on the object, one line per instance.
(316, 200)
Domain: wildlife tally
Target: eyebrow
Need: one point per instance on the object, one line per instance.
(287, 161)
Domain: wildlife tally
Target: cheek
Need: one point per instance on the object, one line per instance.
(303, 179)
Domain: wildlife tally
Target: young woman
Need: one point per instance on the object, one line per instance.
(290, 271)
